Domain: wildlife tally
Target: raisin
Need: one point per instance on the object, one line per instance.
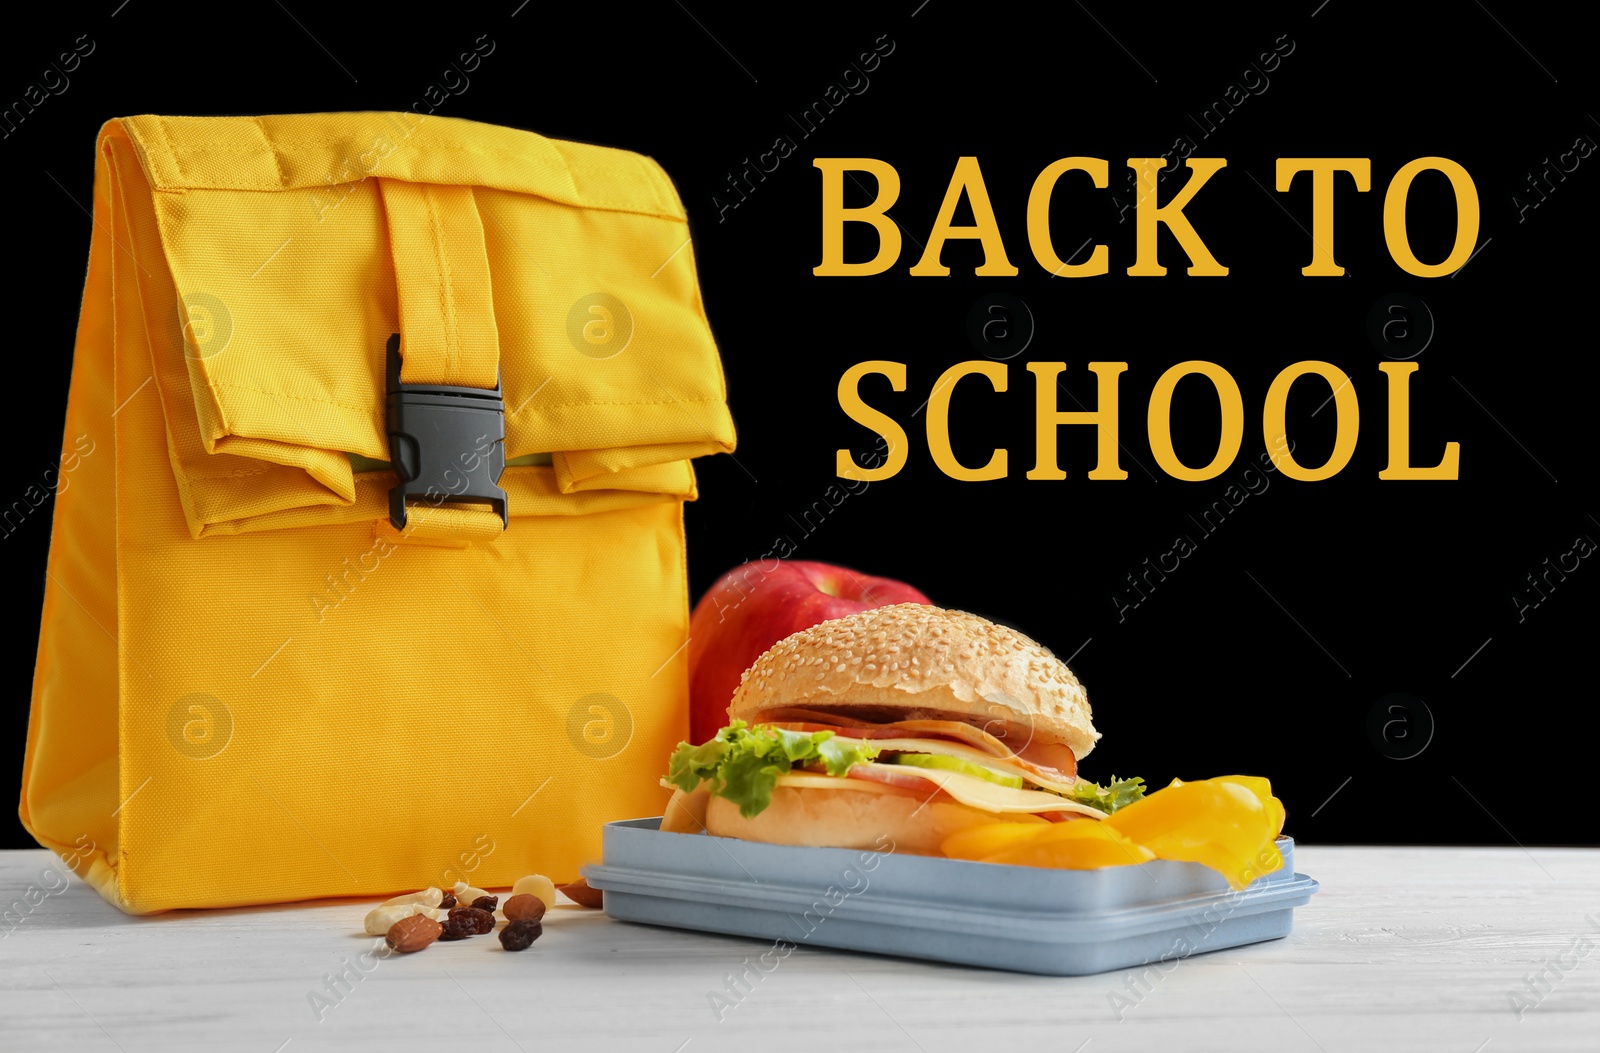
(519, 935)
(488, 903)
(470, 921)
(448, 901)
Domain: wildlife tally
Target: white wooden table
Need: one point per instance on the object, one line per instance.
(1460, 950)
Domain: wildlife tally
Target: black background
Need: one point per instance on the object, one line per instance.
(1267, 649)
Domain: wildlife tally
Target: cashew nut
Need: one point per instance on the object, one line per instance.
(428, 897)
(381, 918)
(536, 885)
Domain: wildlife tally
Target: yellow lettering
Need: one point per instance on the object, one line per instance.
(835, 215)
(857, 410)
(1148, 215)
(1048, 418)
(1322, 170)
(1400, 467)
(966, 179)
(1394, 217)
(1039, 218)
(1345, 406)
(1159, 420)
(939, 423)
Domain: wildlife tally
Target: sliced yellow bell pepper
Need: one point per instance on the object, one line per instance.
(1262, 788)
(1080, 844)
(1228, 823)
(981, 842)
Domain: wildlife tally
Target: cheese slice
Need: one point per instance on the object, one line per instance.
(805, 780)
(973, 792)
(990, 796)
(1005, 765)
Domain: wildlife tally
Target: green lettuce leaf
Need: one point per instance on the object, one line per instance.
(1108, 799)
(743, 763)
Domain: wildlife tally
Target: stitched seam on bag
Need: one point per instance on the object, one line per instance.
(237, 473)
(447, 307)
(277, 163)
(322, 144)
(595, 206)
(166, 143)
(476, 150)
(520, 158)
(355, 406)
(645, 402)
(359, 408)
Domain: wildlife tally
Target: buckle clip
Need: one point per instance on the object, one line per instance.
(446, 443)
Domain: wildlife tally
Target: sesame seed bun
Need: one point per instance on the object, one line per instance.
(912, 661)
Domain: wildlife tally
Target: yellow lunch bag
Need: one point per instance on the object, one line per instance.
(367, 570)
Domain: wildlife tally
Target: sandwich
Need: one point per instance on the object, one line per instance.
(908, 722)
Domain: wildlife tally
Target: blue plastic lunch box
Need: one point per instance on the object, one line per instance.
(1026, 919)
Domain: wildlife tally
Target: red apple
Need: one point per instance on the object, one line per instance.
(752, 607)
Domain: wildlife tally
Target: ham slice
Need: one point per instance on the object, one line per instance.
(888, 776)
(971, 743)
(1052, 758)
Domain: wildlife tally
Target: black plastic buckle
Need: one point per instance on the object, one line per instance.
(447, 444)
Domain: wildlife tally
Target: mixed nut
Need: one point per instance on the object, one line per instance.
(524, 908)
(412, 921)
(413, 933)
(580, 893)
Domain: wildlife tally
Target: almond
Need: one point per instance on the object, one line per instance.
(524, 907)
(411, 934)
(580, 893)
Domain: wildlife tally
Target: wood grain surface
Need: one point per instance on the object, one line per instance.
(1458, 950)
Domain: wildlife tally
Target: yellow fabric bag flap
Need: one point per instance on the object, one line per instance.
(265, 251)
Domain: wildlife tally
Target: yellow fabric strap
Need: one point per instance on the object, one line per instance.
(447, 327)
(451, 526)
